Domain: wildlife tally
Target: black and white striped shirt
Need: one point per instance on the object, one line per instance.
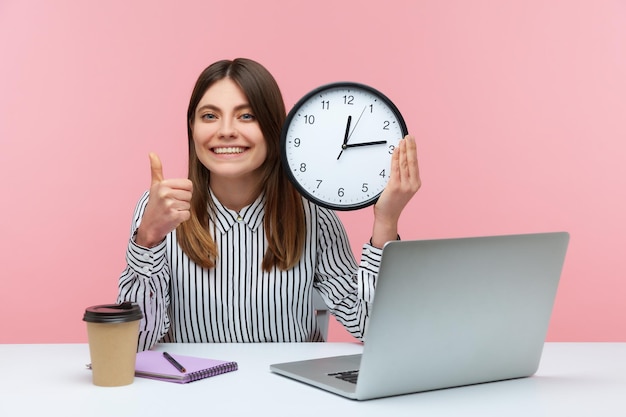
(236, 301)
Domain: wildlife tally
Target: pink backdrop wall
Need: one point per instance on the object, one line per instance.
(518, 106)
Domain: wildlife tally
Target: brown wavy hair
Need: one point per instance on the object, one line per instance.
(284, 221)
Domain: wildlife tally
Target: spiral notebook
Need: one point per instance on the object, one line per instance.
(152, 364)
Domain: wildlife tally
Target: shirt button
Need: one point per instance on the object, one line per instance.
(146, 256)
(239, 218)
(146, 269)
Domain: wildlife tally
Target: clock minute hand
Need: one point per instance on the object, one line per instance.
(354, 145)
(345, 137)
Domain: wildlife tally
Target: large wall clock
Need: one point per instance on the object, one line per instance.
(337, 142)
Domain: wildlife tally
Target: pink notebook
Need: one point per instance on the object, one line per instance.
(152, 364)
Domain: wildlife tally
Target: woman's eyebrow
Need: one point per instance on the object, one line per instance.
(216, 108)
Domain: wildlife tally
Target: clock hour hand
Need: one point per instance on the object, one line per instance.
(345, 137)
(354, 145)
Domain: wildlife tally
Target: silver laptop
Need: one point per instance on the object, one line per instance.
(449, 313)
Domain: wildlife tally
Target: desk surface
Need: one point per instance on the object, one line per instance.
(574, 379)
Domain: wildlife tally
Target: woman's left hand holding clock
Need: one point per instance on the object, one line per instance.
(403, 183)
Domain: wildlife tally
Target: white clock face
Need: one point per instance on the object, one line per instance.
(337, 144)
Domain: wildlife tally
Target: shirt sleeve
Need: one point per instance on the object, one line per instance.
(347, 288)
(145, 281)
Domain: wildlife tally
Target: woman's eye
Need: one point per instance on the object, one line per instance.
(207, 116)
(247, 116)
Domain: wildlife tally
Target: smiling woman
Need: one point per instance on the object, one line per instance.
(234, 253)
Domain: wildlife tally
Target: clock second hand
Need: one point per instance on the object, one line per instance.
(357, 122)
(345, 137)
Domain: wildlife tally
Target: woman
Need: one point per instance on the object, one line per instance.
(232, 253)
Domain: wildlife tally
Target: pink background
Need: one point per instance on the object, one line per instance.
(518, 107)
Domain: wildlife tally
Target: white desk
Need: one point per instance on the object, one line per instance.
(574, 379)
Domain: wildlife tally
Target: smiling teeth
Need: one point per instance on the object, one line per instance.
(228, 150)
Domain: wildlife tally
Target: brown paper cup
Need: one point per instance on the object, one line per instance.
(112, 332)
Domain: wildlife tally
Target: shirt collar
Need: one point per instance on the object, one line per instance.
(251, 216)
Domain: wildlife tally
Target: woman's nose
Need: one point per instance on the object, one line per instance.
(227, 128)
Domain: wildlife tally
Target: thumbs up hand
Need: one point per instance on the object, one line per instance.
(168, 206)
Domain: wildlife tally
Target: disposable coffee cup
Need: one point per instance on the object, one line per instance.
(113, 330)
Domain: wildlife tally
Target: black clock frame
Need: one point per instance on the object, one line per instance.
(293, 112)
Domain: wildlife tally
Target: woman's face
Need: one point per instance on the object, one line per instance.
(227, 137)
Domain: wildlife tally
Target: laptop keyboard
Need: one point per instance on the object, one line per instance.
(349, 376)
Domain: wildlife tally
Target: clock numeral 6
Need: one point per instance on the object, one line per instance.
(341, 192)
